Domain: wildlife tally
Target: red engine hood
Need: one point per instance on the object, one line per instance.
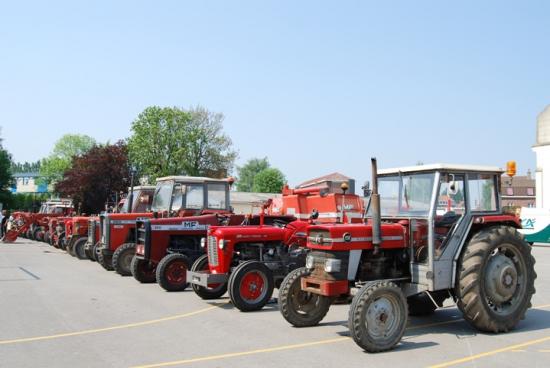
(248, 233)
(354, 236)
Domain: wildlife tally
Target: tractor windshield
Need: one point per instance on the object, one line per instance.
(406, 195)
(163, 196)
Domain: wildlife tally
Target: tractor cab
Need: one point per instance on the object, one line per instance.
(438, 205)
(183, 196)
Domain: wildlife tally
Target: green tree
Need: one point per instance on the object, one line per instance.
(172, 141)
(68, 146)
(5, 175)
(247, 172)
(269, 180)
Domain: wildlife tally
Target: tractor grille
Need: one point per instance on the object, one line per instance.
(91, 232)
(212, 251)
(143, 236)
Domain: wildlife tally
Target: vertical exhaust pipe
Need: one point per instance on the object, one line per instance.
(376, 213)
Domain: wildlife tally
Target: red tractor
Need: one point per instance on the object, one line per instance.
(251, 260)
(34, 225)
(116, 243)
(432, 232)
(166, 247)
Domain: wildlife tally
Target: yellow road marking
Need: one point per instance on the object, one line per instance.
(492, 352)
(244, 353)
(112, 328)
(316, 343)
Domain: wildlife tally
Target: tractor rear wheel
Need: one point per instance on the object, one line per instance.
(78, 248)
(251, 286)
(172, 272)
(122, 259)
(496, 279)
(301, 308)
(143, 271)
(106, 261)
(214, 291)
(378, 316)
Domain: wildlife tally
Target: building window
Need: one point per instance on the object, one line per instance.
(531, 191)
(25, 181)
(510, 191)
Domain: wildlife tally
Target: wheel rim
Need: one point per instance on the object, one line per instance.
(302, 302)
(505, 281)
(176, 272)
(253, 286)
(126, 260)
(382, 317)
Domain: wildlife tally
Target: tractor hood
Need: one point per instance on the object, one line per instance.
(248, 233)
(354, 236)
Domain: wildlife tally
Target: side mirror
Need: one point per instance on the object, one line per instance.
(314, 214)
(366, 189)
(452, 189)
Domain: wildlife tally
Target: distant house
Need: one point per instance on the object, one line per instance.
(27, 183)
(331, 181)
(519, 191)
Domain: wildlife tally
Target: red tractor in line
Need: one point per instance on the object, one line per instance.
(167, 246)
(250, 260)
(432, 232)
(116, 244)
(34, 225)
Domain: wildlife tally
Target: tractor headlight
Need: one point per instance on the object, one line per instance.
(203, 242)
(76, 228)
(221, 244)
(310, 262)
(333, 265)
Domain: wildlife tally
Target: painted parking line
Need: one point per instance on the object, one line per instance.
(306, 345)
(491, 353)
(106, 329)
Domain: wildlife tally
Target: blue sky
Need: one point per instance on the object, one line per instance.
(315, 86)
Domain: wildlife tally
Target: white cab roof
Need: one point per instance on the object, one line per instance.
(143, 187)
(191, 179)
(442, 167)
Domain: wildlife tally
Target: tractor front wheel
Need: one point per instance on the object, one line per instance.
(106, 261)
(251, 286)
(122, 259)
(172, 272)
(298, 307)
(38, 234)
(214, 291)
(496, 278)
(78, 248)
(143, 271)
(378, 316)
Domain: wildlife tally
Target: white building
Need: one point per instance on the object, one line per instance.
(542, 150)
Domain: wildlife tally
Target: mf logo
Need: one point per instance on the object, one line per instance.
(528, 224)
(190, 224)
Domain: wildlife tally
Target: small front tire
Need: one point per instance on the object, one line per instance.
(172, 272)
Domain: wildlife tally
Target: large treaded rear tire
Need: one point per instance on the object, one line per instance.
(476, 285)
(122, 259)
(217, 292)
(299, 308)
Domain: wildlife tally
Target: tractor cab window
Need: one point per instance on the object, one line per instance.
(450, 208)
(163, 196)
(482, 193)
(194, 196)
(177, 198)
(217, 196)
(142, 201)
(406, 195)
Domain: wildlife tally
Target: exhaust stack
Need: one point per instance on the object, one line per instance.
(376, 213)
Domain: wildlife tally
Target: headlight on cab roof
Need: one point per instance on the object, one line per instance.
(333, 265)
